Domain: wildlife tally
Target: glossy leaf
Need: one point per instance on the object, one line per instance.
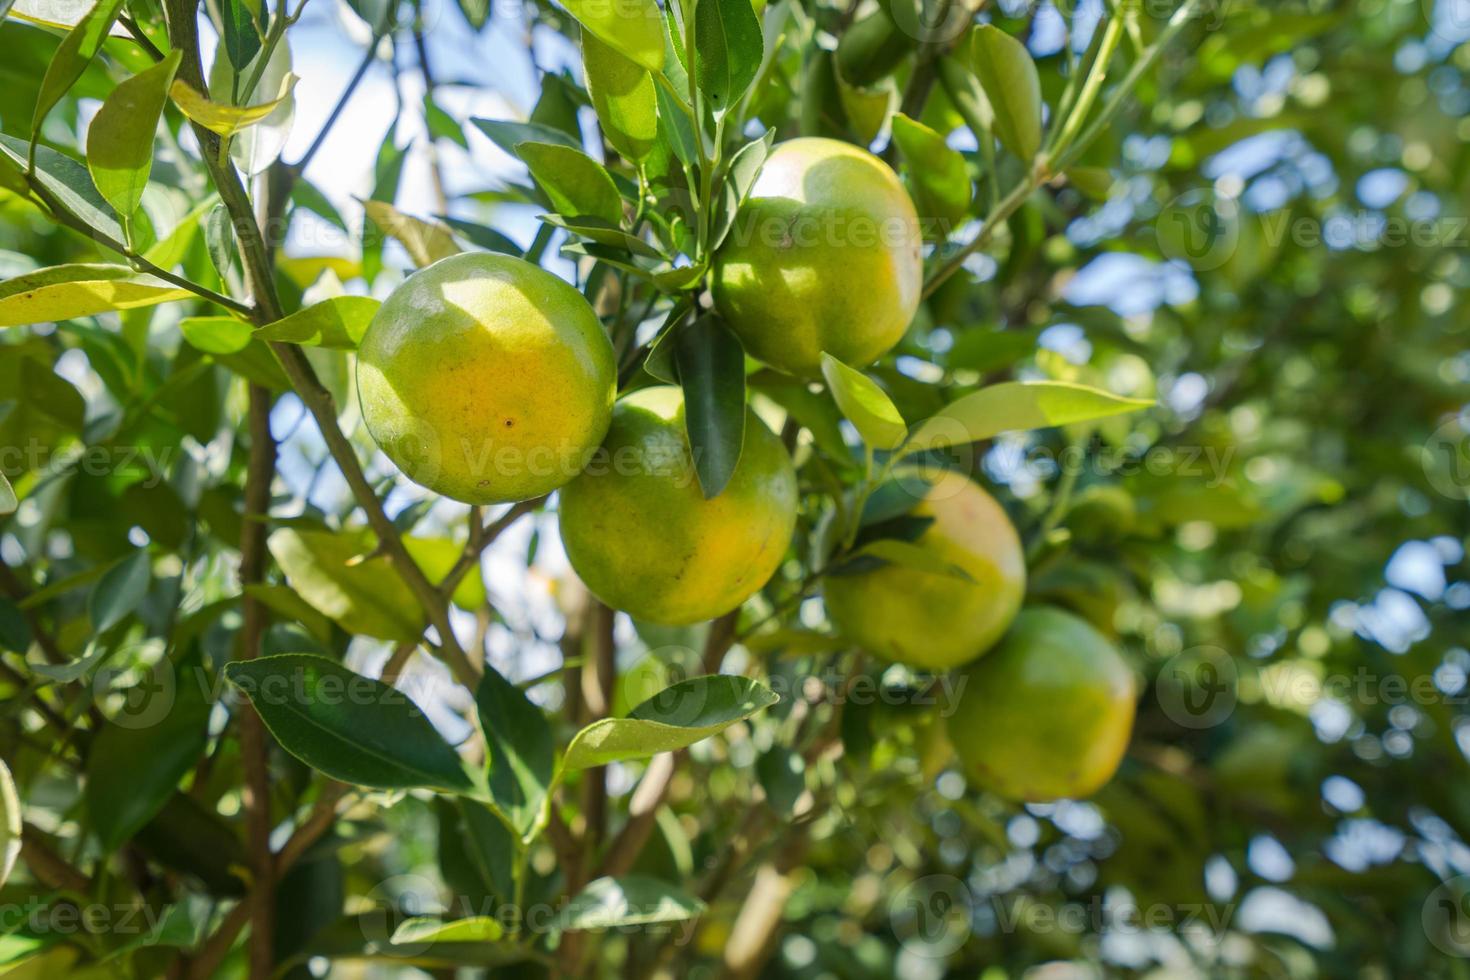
(864, 404)
(65, 292)
(711, 365)
(519, 742)
(622, 93)
(727, 49)
(937, 172)
(120, 591)
(334, 574)
(240, 34)
(1012, 87)
(134, 768)
(483, 237)
(632, 27)
(353, 728)
(8, 503)
(576, 184)
(75, 52)
(508, 134)
(336, 323)
(628, 900)
(69, 182)
(676, 717)
(428, 929)
(745, 167)
(217, 334)
(120, 138)
(1018, 406)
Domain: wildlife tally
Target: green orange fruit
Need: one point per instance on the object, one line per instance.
(824, 256)
(487, 379)
(931, 619)
(639, 532)
(1047, 714)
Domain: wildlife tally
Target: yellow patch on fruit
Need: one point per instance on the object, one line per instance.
(486, 379)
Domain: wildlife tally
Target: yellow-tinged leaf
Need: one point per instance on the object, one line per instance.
(426, 241)
(226, 120)
(65, 292)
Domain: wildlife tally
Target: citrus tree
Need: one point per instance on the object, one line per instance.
(941, 488)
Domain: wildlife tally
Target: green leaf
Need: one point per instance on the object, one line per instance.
(910, 555)
(306, 194)
(337, 323)
(937, 172)
(727, 49)
(10, 826)
(334, 574)
(69, 183)
(220, 242)
(864, 404)
(623, 96)
(120, 591)
(75, 52)
(65, 292)
(509, 135)
(425, 241)
(676, 717)
(353, 728)
(522, 757)
(576, 184)
(8, 503)
(441, 125)
(627, 900)
(134, 768)
(745, 167)
(603, 233)
(1017, 406)
(428, 929)
(477, 12)
(1008, 76)
(120, 138)
(711, 365)
(633, 27)
(482, 237)
(239, 35)
(217, 334)
(221, 117)
(677, 127)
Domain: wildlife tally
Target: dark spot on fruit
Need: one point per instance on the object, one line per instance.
(509, 423)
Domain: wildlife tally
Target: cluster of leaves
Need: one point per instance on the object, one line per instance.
(170, 320)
